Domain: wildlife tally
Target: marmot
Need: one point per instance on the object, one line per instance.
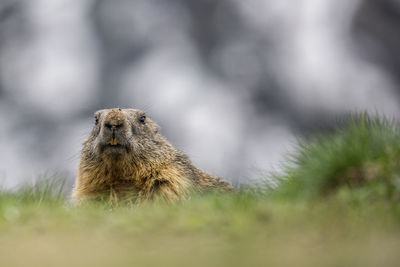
(125, 157)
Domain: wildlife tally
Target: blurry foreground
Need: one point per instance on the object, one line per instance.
(237, 230)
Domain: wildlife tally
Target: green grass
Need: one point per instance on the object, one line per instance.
(242, 229)
(360, 159)
(337, 205)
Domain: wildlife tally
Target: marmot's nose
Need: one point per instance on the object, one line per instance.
(113, 126)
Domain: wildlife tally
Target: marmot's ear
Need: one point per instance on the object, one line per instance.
(97, 115)
(99, 112)
(154, 126)
(133, 113)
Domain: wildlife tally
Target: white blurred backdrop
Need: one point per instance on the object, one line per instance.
(232, 83)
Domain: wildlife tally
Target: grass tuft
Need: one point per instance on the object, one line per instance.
(48, 190)
(361, 158)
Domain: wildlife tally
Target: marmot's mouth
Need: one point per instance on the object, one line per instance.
(114, 148)
(117, 145)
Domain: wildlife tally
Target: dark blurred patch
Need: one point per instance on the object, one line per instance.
(213, 23)
(118, 46)
(9, 11)
(376, 31)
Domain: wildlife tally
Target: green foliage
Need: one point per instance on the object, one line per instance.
(239, 229)
(360, 160)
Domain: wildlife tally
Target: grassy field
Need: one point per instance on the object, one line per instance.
(337, 205)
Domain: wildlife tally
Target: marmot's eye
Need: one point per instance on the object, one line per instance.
(143, 119)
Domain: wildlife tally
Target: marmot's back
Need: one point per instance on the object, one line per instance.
(126, 157)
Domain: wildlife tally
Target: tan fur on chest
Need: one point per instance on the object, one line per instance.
(124, 179)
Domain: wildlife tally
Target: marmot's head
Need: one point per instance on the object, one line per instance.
(119, 131)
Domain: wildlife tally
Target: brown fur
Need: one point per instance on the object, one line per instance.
(143, 166)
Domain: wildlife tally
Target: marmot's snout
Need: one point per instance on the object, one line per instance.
(114, 133)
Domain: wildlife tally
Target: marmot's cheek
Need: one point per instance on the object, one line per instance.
(96, 148)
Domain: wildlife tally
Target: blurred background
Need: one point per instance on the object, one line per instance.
(232, 83)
